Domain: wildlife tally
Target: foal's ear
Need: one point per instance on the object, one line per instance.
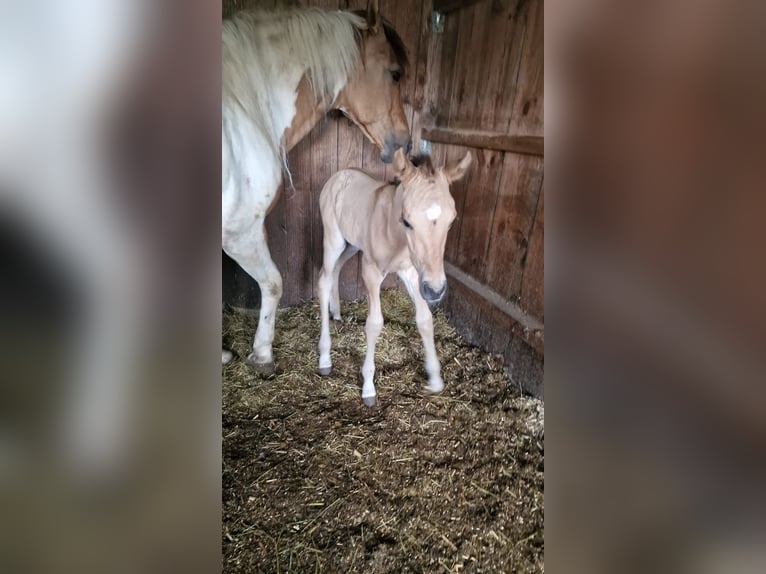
(457, 172)
(373, 16)
(400, 164)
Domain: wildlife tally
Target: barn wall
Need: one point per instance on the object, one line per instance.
(477, 85)
(482, 90)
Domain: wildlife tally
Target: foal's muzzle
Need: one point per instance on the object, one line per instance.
(431, 295)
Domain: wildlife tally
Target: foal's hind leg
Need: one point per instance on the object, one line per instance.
(347, 254)
(251, 252)
(333, 251)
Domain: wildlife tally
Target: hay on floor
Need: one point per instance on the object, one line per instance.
(314, 481)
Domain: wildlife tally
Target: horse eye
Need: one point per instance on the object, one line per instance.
(406, 223)
(396, 75)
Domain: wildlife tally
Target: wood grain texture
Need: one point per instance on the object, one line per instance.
(478, 209)
(445, 6)
(501, 67)
(512, 223)
(464, 70)
(527, 115)
(532, 145)
(483, 325)
(533, 279)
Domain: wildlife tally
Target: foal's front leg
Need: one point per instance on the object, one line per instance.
(425, 323)
(372, 280)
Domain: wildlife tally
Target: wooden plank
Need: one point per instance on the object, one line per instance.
(481, 324)
(533, 279)
(514, 214)
(470, 71)
(445, 6)
(478, 209)
(531, 145)
(297, 202)
(428, 72)
(494, 298)
(439, 95)
(424, 62)
(501, 66)
(527, 115)
(465, 62)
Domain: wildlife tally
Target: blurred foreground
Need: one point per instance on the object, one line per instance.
(110, 297)
(656, 286)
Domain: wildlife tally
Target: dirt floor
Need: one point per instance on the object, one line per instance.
(314, 481)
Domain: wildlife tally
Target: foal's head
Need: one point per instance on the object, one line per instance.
(371, 97)
(428, 210)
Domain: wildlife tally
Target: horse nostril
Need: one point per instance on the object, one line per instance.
(432, 294)
(408, 147)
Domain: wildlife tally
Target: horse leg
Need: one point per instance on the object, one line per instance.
(372, 280)
(333, 251)
(347, 254)
(251, 252)
(425, 322)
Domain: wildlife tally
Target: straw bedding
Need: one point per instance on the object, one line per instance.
(314, 481)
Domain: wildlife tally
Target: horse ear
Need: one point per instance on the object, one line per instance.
(373, 16)
(400, 164)
(457, 172)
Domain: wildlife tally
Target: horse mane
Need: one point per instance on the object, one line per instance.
(394, 40)
(258, 44)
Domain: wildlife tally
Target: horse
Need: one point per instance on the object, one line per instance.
(399, 229)
(282, 71)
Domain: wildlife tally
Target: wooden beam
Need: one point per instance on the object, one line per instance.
(445, 6)
(533, 331)
(531, 145)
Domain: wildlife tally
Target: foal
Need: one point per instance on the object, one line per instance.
(401, 229)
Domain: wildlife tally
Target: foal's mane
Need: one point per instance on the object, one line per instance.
(422, 163)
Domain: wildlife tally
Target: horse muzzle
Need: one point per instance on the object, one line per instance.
(431, 295)
(391, 145)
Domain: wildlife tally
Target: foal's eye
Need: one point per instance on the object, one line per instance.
(396, 75)
(406, 223)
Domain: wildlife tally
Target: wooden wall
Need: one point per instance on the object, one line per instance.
(483, 91)
(478, 85)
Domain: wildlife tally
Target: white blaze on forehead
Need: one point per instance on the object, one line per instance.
(433, 212)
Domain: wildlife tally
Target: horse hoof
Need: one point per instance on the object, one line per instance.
(324, 371)
(436, 387)
(264, 369)
(369, 401)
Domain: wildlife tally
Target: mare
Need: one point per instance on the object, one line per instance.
(400, 229)
(282, 71)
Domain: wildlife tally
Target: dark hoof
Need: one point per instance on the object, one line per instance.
(264, 369)
(369, 401)
(324, 371)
